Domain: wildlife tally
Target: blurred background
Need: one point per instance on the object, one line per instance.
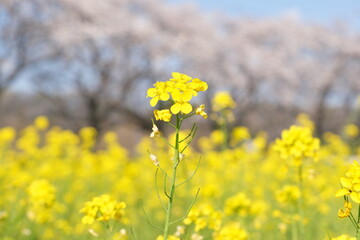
(90, 62)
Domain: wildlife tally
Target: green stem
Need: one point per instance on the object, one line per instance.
(173, 179)
(224, 129)
(357, 225)
(301, 202)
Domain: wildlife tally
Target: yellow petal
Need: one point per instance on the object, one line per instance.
(176, 75)
(355, 197)
(357, 187)
(176, 95)
(186, 96)
(186, 108)
(151, 92)
(175, 109)
(342, 192)
(345, 182)
(154, 101)
(164, 96)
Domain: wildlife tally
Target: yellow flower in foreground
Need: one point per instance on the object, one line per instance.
(180, 77)
(181, 102)
(164, 115)
(345, 213)
(351, 183)
(159, 92)
(179, 90)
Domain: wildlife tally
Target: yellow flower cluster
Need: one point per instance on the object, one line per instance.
(200, 111)
(347, 210)
(70, 165)
(7, 135)
(179, 90)
(351, 183)
(102, 209)
(351, 130)
(231, 231)
(41, 199)
(238, 204)
(343, 237)
(288, 194)
(238, 135)
(297, 143)
(204, 216)
(222, 100)
(41, 122)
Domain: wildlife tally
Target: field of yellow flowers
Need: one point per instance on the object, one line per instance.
(55, 184)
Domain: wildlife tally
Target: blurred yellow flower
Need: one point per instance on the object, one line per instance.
(103, 209)
(343, 237)
(297, 143)
(351, 130)
(223, 100)
(41, 122)
(288, 194)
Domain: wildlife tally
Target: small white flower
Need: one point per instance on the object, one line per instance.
(122, 232)
(180, 230)
(26, 232)
(93, 233)
(155, 131)
(154, 159)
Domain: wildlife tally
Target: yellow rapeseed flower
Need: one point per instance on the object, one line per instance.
(351, 183)
(178, 90)
(297, 143)
(288, 194)
(159, 92)
(103, 209)
(164, 115)
(41, 122)
(231, 231)
(345, 213)
(223, 100)
(200, 111)
(343, 237)
(181, 102)
(351, 130)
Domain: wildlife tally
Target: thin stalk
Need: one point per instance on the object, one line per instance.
(357, 225)
(224, 129)
(301, 202)
(173, 179)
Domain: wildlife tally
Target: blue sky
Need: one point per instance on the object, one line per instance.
(324, 11)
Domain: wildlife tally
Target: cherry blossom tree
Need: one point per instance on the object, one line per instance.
(109, 52)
